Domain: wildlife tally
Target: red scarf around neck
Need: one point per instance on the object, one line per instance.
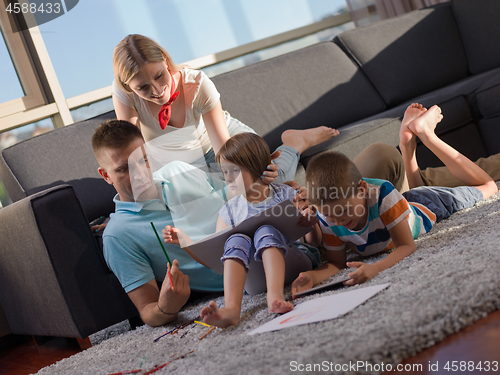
(165, 111)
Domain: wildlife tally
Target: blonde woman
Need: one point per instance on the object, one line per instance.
(193, 126)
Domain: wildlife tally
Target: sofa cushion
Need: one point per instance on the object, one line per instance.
(318, 85)
(354, 138)
(478, 22)
(466, 87)
(61, 156)
(489, 129)
(54, 281)
(488, 98)
(456, 128)
(77, 260)
(409, 55)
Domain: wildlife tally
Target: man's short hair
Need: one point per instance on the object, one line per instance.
(114, 134)
(248, 151)
(331, 176)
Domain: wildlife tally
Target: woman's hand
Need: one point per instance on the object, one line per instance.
(269, 175)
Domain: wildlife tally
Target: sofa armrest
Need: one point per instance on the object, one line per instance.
(54, 282)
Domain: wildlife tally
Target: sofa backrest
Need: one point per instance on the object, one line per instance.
(479, 25)
(409, 55)
(314, 86)
(61, 156)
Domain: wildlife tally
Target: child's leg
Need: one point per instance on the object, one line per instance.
(274, 267)
(235, 275)
(380, 160)
(408, 145)
(301, 140)
(459, 165)
(441, 176)
(236, 259)
(282, 261)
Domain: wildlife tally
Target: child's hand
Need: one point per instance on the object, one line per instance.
(363, 273)
(300, 199)
(171, 235)
(308, 218)
(301, 283)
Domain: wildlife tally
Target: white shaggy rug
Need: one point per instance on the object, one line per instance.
(449, 282)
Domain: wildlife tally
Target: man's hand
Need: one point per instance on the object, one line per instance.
(363, 273)
(175, 290)
(301, 283)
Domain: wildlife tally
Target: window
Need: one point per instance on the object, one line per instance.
(81, 42)
(62, 69)
(11, 87)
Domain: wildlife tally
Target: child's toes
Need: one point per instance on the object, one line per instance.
(280, 307)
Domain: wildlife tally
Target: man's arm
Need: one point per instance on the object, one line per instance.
(161, 307)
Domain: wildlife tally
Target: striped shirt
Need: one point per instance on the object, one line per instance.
(386, 208)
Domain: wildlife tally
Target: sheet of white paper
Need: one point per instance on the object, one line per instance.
(283, 216)
(319, 309)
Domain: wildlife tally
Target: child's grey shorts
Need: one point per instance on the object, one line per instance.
(444, 201)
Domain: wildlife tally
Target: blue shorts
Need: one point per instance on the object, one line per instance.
(444, 201)
(240, 246)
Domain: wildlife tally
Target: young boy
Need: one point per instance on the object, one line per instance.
(371, 216)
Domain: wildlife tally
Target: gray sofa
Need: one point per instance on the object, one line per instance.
(363, 81)
(54, 279)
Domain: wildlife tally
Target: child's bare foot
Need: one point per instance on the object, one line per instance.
(276, 303)
(222, 318)
(423, 126)
(301, 140)
(280, 307)
(413, 111)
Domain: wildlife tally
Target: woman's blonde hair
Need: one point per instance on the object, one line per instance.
(133, 52)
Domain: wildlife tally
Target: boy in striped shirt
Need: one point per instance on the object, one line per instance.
(371, 216)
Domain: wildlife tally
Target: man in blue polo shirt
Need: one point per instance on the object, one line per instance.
(131, 248)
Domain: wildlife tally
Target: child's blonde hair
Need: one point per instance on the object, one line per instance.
(248, 151)
(134, 51)
(329, 176)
